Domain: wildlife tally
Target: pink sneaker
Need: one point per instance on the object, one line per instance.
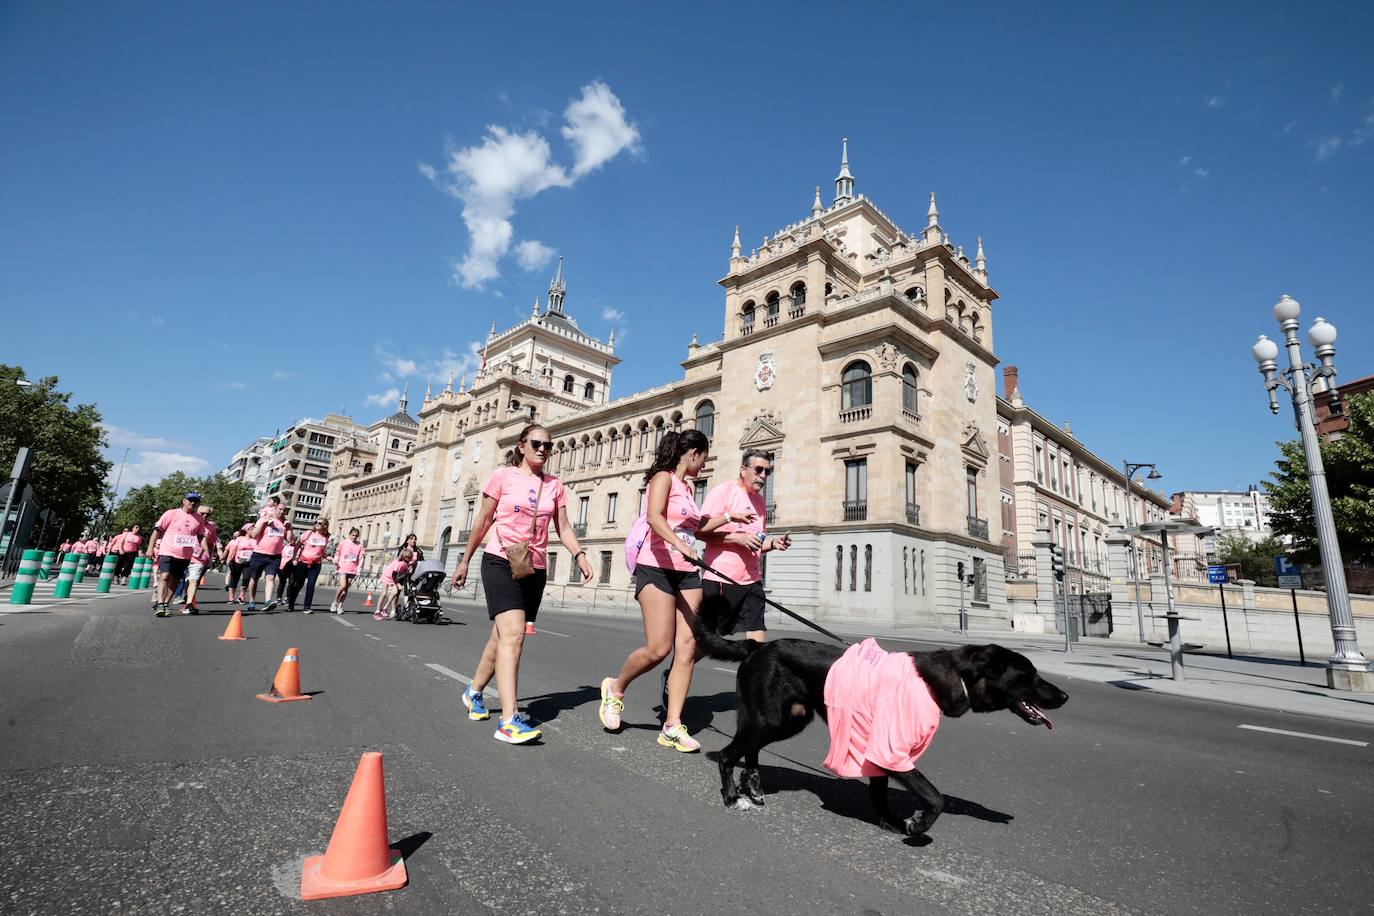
(677, 738)
(611, 706)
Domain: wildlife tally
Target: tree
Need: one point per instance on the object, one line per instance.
(1349, 463)
(231, 500)
(68, 471)
(1255, 558)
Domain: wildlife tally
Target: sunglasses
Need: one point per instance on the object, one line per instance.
(539, 445)
(761, 472)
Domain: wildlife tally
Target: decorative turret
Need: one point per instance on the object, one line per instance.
(980, 261)
(557, 290)
(844, 182)
(734, 246)
(448, 389)
(405, 401)
(610, 341)
(816, 207)
(932, 233)
(534, 310)
(426, 401)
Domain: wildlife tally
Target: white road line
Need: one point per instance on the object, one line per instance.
(449, 672)
(344, 622)
(540, 631)
(1280, 731)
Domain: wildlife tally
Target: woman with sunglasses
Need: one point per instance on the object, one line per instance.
(412, 543)
(518, 502)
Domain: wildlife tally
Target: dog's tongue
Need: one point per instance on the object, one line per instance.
(1041, 713)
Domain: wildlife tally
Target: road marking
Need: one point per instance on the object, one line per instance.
(1280, 731)
(540, 631)
(726, 670)
(490, 692)
(344, 622)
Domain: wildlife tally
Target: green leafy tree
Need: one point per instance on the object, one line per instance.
(231, 500)
(68, 471)
(1349, 463)
(1255, 558)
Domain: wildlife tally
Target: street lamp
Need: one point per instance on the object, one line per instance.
(1130, 471)
(1347, 669)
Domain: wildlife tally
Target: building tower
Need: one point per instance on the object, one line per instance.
(844, 182)
(557, 290)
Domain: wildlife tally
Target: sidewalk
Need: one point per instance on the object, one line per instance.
(1273, 683)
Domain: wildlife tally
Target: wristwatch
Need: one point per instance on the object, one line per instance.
(580, 553)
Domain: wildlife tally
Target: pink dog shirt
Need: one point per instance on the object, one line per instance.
(881, 714)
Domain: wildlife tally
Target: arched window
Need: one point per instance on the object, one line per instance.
(706, 419)
(909, 388)
(367, 468)
(915, 294)
(677, 421)
(856, 385)
(395, 443)
(772, 303)
(798, 295)
(747, 313)
(409, 446)
(589, 391)
(829, 288)
(443, 545)
(514, 405)
(568, 384)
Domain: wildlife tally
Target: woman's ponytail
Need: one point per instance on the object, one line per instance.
(672, 447)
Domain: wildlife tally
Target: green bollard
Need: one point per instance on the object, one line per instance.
(80, 571)
(107, 569)
(65, 576)
(136, 574)
(145, 580)
(45, 565)
(22, 591)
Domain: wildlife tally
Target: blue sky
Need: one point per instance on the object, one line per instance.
(216, 218)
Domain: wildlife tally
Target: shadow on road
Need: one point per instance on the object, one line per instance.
(411, 844)
(547, 707)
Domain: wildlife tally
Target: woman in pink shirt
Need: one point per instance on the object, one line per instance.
(398, 568)
(667, 584)
(309, 556)
(270, 533)
(518, 503)
(348, 557)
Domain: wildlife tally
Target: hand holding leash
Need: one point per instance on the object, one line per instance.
(769, 601)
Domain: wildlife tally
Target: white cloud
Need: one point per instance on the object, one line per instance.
(385, 399)
(1288, 128)
(152, 466)
(510, 165)
(395, 367)
(1183, 160)
(596, 128)
(1327, 147)
(282, 375)
(119, 437)
(532, 255)
(1214, 101)
(1201, 173)
(232, 386)
(1336, 91)
(610, 314)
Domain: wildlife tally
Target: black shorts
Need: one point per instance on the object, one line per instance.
(235, 573)
(740, 612)
(668, 581)
(126, 564)
(177, 567)
(261, 563)
(507, 594)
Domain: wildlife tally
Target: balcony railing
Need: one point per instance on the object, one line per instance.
(855, 510)
(746, 328)
(580, 529)
(855, 414)
(770, 514)
(770, 321)
(913, 514)
(796, 312)
(978, 527)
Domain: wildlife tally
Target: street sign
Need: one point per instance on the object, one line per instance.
(1217, 575)
(1290, 576)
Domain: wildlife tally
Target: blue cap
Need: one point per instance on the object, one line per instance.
(193, 497)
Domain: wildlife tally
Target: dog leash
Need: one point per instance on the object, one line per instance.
(769, 601)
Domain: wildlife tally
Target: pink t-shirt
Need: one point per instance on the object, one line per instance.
(684, 518)
(116, 544)
(272, 540)
(739, 563)
(181, 532)
(66, 545)
(91, 547)
(393, 569)
(515, 493)
(880, 712)
(243, 551)
(131, 542)
(288, 553)
(347, 556)
(312, 548)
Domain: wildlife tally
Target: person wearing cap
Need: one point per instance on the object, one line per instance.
(176, 537)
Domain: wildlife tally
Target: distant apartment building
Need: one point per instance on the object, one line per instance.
(1245, 514)
(299, 461)
(250, 465)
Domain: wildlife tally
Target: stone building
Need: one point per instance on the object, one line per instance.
(858, 354)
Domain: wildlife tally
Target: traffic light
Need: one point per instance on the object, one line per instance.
(1057, 561)
(961, 570)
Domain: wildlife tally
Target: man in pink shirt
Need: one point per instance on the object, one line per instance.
(733, 549)
(178, 534)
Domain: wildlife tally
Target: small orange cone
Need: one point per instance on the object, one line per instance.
(368, 602)
(235, 628)
(286, 686)
(530, 630)
(358, 859)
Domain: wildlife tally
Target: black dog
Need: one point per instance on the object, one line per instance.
(781, 686)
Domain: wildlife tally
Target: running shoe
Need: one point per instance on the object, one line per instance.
(517, 731)
(338, 609)
(161, 610)
(677, 738)
(476, 704)
(611, 706)
(267, 608)
(378, 615)
(252, 607)
(309, 610)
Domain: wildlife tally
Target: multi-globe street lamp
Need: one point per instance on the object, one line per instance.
(1130, 470)
(1347, 669)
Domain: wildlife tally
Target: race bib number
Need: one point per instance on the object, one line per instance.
(184, 540)
(316, 540)
(245, 556)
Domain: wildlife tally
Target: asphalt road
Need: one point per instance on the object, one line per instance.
(140, 774)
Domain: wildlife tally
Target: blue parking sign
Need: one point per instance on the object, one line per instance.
(1217, 575)
(1290, 575)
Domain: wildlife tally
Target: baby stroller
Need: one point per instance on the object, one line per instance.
(420, 591)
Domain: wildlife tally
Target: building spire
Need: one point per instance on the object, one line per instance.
(405, 401)
(816, 207)
(611, 342)
(980, 260)
(557, 290)
(734, 246)
(932, 233)
(427, 392)
(844, 182)
(448, 389)
(534, 310)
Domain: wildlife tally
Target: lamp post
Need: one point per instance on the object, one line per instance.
(1347, 668)
(1130, 471)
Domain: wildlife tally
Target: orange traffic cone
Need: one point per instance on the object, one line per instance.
(358, 859)
(286, 686)
(368, 602)
(235, 628)
(529, 629)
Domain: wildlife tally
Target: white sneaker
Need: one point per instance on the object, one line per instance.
(309, 611)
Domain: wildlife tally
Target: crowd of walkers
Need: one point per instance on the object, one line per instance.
(267, 559)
